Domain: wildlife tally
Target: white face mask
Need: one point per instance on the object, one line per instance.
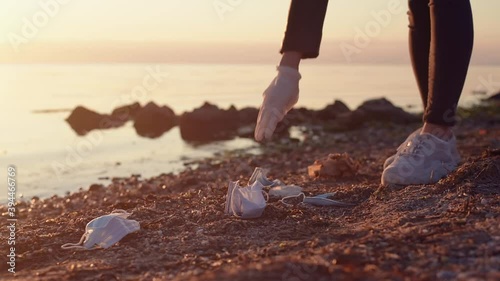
(105, 231)
(259, 174)
(245, 202)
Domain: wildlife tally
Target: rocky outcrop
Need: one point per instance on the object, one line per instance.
(248, 116)
(247, 121)
(152, 121)
(209, 123)
(83, 120)
(126, 112)
(333, 110)
(149, 121)
(346, 121)
(300, 115)
(383, 110)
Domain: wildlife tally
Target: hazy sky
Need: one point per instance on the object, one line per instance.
(243, 22)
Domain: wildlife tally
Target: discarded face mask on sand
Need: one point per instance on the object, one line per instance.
(105, 231)
(260, 175)
(245, 202)
(277, 187)
(293, 193)
(249, 202)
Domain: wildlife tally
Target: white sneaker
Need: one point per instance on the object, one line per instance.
(389, 160)
(424, 159)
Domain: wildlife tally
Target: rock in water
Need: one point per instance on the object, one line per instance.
(300, 115)
(152, 121)
(126, 112)
(83, 120)
(331, 111)
(209, 123)
(383, 110)
(346, 121)
(248, 116)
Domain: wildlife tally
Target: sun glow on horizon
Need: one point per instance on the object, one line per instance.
(32, 22)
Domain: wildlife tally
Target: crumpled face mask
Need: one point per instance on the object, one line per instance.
(105, 231)
(245, 202)
(277, 187)
(260, 175)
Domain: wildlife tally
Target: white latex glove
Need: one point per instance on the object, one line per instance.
(279, 98)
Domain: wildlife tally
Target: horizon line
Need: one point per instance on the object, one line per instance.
(227, 52)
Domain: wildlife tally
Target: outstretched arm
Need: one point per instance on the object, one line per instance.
(305, 27)
(291, 59)
(302, 40)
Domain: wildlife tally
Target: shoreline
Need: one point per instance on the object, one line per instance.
(298, 129)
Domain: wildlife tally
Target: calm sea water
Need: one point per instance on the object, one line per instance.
(43, 146)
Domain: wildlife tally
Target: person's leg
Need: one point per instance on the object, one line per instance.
(419, 44)
(430, 155)
(452, 39)
(419, 41)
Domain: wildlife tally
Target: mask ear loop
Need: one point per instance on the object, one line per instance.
(267, 195)
(289, 197)
(75, 245)
(119, 211)
(80, 243)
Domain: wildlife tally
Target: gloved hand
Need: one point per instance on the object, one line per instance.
(279, 98)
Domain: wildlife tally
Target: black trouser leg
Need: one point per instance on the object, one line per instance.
(445, 34)
(419, 43)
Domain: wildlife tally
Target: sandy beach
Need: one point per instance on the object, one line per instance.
(446, 231)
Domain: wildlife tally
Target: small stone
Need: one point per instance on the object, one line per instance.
(313, 170)
(96, 188)
(334, 166)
